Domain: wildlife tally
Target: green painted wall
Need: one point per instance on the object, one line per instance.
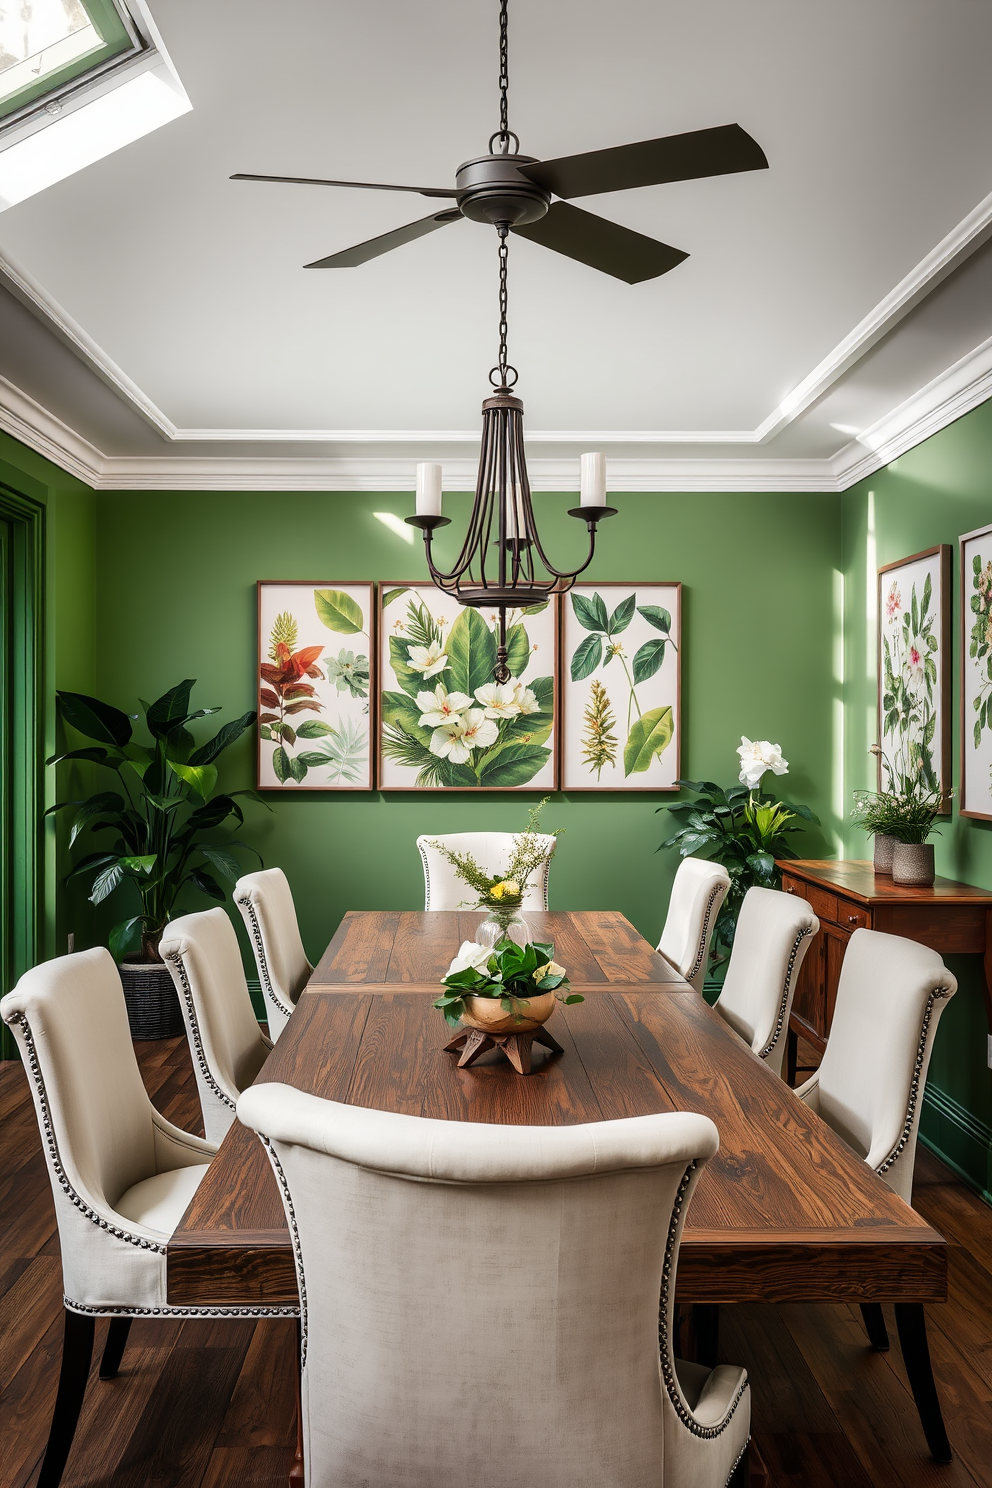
(938, 491)
(176, 579)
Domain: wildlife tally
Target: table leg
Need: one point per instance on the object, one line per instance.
(912, 1324)
(296, 1472)
(874, 1320)
(791, 1056)
(987, 983)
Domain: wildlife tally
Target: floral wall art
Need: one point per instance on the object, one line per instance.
(914, 689)
(976, 673)
(621, 658)
(444, 724)
(315, 646)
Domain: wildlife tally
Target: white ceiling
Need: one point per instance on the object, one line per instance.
(184, 291)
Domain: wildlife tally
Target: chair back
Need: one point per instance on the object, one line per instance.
(443, 889)
(774, 932)
(481, 1301)
(226, 1043)
(266, 904)
(697, 894)
(870, 1083)
(70, 1022)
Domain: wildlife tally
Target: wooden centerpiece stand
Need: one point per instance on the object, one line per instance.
(487, 1025)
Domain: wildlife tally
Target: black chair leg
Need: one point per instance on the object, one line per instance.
(874, 1320)
(912, 1325)
(706, 1332)
(77, 1351)
(113, 1349)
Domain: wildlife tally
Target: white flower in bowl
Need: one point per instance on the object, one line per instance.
(757, 756)
(441, 706)
(427, 659)
(471, 957)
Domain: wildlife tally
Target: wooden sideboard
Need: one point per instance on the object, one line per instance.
(952, 918)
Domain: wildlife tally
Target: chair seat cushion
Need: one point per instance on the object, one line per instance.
(159, 1203)
(709, 1392)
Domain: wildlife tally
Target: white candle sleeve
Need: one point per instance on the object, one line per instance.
(592, 483)
(428, 490)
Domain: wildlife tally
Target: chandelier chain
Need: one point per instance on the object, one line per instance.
(504, 75)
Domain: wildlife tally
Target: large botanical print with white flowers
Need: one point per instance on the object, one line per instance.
(976, 673)
(621, 687)
(314, 681)
(444, 723)
(912, 629)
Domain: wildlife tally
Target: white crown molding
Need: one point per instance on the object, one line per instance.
(47, 435)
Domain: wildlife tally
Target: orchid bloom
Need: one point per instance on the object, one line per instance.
(498, 699)
(757, 756)
(428, 659)
(441, 706)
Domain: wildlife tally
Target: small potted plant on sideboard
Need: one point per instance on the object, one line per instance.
(901, 825)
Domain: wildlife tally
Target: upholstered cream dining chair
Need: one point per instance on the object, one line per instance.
(227, 1046)
(774, 932)
(266, 904)
(121, 1174)
(697, 894)
(481, 1302)
(443, 889)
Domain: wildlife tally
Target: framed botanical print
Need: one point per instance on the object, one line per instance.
(914, 673)
(316, 645)
(976, 674)
(621, 687)
(444, 723)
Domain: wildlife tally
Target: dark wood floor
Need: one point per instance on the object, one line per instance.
(212, 1403)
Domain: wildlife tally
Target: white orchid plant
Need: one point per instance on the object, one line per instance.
(740, 827)
(508, 972)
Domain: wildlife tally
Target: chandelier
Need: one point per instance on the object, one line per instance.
(503, 564)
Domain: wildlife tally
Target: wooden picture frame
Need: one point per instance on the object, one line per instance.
(599, 730)
(329, 708)
(914, 672)
(415, 616)
(975, 675)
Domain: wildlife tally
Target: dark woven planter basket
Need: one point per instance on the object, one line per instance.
(153, 1009)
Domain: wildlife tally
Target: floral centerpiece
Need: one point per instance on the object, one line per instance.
(740, 827)
(502, 894)
(525, 982)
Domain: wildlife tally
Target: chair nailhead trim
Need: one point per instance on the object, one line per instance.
(914, 1087)
(294, 1232)
(738, 1460)
(685, 1415)
(785, 994)
(263, 965)
(194, 1029)
(704, 936)
(166, 1311)
(54, 1157)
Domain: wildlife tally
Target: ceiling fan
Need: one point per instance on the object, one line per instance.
(514, 192)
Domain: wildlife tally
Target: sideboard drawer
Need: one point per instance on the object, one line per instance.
(794, 886)
(852, 916)
(823, 905)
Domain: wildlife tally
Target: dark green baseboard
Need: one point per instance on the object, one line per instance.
(257, 996)
(959, 1139)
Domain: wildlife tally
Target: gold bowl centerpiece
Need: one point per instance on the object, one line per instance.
(502, 996)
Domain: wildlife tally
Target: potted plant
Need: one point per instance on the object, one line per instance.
(874, 812)
(740, 827)
(165, 815)
(502, 894)
(909, 820)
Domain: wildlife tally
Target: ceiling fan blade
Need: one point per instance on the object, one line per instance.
(677, 157)
(350, 258)
(601, 244)
(362, 185)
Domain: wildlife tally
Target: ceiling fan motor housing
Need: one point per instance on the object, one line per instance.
(491, 189)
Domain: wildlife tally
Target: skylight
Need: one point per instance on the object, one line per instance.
(46, 45)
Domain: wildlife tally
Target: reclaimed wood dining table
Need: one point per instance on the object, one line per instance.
(785, 1211)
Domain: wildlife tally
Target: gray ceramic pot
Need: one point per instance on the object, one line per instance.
(884, 846)
(912, 863)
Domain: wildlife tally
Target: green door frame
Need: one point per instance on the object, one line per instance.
(22, 740)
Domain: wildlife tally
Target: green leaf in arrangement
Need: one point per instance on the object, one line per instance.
(311, 758)
(622, 615)
(199, 778)
(213, 812)
(280, 764)
(590, 611)
(122, 937)
(207, 753)
(265, 732)
(94, 719)
(313, 728)
(106, 801)
(587, 657)
(411, 682)
(517, 650)
(471, 653)
(170, 709)
(142, 865)
(224, 861)
(648, 659)
(514, 765)
(405, 713)
(650, 736)
(338, 611)
(208, 885)
(392, 594)
(656, 616)
(106, 882)
(297, 768)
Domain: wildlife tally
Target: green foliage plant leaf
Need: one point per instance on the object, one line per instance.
(515, 765)
(590, 611)
(338, 611)
(224, 861)
(622, 615)
(199, 778)
(314, 728)
(94, 719)
(587, 656)
(105, 802)
(106, 881)
(648, 659)
(650, 735)
(471, 650)
(399, 655)
(297, 768)
(517, 650)
(207, 753)
(122, 937)
(390, 595)
(654, 614)
(208, 885)
(280, 764)
(170, 709)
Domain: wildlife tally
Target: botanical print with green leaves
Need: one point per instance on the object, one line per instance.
(980, 647)
(621, 727)
(909, 680)
(335, 748)
(445, 722)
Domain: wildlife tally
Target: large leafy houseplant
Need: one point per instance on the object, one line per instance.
(741, 827)
(165, 814)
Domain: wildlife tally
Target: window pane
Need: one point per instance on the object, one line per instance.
(46, 43)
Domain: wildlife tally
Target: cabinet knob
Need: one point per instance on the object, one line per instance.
(852, 919)
(791, 889)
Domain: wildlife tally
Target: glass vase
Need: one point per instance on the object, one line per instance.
(502, 925)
